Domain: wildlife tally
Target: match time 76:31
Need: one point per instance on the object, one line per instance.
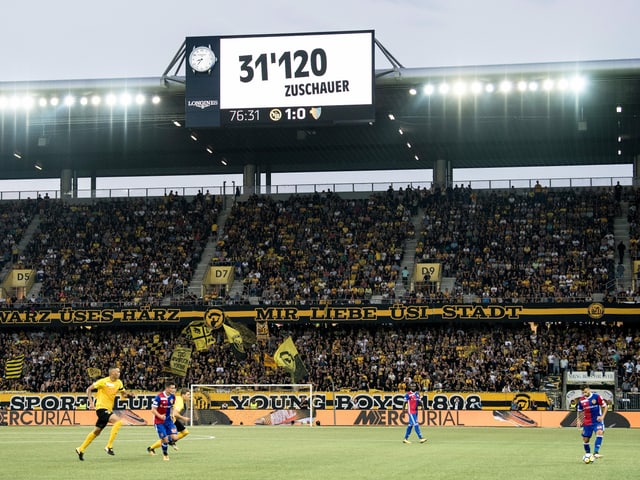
(244, 115)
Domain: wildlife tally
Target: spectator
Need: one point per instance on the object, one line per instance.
(621, 250)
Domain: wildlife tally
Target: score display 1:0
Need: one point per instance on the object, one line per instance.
(299, 113)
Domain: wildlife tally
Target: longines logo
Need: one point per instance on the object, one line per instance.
(202, 104)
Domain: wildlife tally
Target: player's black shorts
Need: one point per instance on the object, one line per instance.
(179, 425)
(103, 417)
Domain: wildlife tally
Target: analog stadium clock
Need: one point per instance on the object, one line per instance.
(202, 59)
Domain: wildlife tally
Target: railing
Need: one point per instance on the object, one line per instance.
(185, 299)
(347, 187)
(629, 401)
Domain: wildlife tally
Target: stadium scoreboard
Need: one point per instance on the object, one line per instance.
(310, 79)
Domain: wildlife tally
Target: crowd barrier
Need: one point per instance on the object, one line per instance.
(629, 401)
(373, 408)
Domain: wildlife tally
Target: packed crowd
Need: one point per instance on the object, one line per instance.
(318, 247)
(500, 246)
(438, 357)
(519, 245)
(633, 217)
(515, 246)
(121, 251)
(15, 218)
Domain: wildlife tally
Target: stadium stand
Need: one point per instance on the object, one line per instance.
(521, 246)
(315, 248)
(497, 246)
(440, 357)
(501, 246)
(125, 251)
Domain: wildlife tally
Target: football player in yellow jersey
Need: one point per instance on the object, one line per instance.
(107, 388)
(178, 419)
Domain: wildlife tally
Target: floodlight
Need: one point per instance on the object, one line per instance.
(506, 86)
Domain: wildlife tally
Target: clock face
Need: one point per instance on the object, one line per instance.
(202, 59)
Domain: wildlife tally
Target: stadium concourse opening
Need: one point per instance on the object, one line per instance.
(437, 120)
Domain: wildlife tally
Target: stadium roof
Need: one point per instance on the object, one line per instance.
(542, 121)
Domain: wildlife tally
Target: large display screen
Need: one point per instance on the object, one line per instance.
(291, 80)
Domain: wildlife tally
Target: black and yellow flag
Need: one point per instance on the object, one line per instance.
(268, 361)
(13, 367)
(201, 335)
(287, 357)
(155, 346)
(237, 343)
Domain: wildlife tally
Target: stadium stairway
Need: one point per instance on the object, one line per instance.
(24, 241)
(448, 284)
(209, 252)
(408, 260)
(621, 234)
(195, 285)
(409, 255)
(236, 292)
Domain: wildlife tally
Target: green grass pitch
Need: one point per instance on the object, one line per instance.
(238, 453)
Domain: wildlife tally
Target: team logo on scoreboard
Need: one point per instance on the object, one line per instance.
(315, 112)
(275, 114)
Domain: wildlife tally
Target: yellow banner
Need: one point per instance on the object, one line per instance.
(180, 361)
(219, 276)
(427, 272)
(147, 315)
(21, 277)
